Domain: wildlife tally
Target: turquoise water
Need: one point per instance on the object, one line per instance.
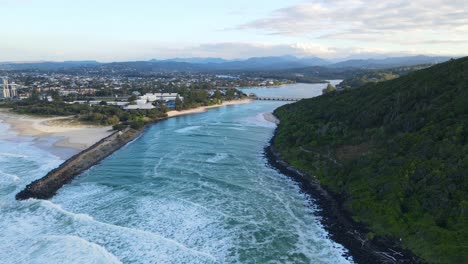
(192, 189)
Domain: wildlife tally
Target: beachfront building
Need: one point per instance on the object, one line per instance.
(91, 103)
(169, 99)
(151, 97)
(8, 90)
(140, 104)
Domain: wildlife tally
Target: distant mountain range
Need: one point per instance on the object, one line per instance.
(390, 62)
(255, 63)
(47, 65)
(194, 60)
(220, 64)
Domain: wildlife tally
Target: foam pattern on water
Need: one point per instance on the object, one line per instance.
(204, 194)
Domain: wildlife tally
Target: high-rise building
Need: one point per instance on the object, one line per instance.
(13, 91)
(8, 90)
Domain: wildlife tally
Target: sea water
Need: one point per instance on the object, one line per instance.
(191, 189)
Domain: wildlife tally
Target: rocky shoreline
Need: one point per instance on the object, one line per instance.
(339, 223)
(48, 186)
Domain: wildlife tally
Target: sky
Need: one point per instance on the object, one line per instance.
(118, 30)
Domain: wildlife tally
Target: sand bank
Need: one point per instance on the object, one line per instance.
(271, 118)
(71, 133)
(204, 108)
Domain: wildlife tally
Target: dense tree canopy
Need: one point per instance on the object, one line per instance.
(99, 114)
(396, 151)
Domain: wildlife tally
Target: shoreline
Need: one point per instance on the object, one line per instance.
(202, 109)
(66, 132)
(47, 186)
(339, 223)
(281, 85)
(70, 134)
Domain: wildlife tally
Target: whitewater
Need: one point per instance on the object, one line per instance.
(192, 189)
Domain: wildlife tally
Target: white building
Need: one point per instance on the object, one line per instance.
(142, 104)
(8, 90)
(121, 104)
(151, 97)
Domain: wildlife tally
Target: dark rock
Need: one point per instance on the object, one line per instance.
(364, 248)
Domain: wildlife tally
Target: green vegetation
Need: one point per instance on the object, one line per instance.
(195, 97)
(98, 114)
(330, 88)
(374, 76)
(108, 115)
(396, 152)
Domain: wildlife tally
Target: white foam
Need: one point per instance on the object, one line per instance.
(187, 129)
(175, 207)
(12, 155)
(217, 157)
(72, 249)
(8, 177)
(125, 242)
(259, 120)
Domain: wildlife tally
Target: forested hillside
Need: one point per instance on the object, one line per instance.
(374, 76)
(396, 152)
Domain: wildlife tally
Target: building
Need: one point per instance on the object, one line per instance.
(146, 106)
(5, 89)
(8, 90)
(151, 97)
(142, 104)
(91, 103)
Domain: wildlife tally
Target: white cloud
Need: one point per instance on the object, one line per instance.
(245, 50)
(377, 21)
(228, 50)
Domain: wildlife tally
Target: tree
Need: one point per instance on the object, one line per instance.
(35, 95)
(56, 96)
(230, 94)
(218, 96)
(132, 98)
(330, 88)
(179, 105)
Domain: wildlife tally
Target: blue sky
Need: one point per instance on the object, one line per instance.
(119, 30)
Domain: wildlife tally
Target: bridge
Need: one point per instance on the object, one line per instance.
(267, 98)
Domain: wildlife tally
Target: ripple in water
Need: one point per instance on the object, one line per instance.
(204, 194)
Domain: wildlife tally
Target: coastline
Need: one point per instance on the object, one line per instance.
(47, 186)
(68, 133)
(202, 109)
(339, 223)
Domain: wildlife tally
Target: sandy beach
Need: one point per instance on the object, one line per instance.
(71, 134)
(271, 118)
(204, 108)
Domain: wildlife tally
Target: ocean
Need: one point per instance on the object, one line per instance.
(191, 189)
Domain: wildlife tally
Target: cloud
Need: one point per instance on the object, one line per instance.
(340, 19)
(228, 50)
(244, 50)
(235, 50)
(239, 50)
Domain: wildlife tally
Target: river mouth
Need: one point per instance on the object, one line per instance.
(193, 189)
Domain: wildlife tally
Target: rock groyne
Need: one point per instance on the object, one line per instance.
(47, 186)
